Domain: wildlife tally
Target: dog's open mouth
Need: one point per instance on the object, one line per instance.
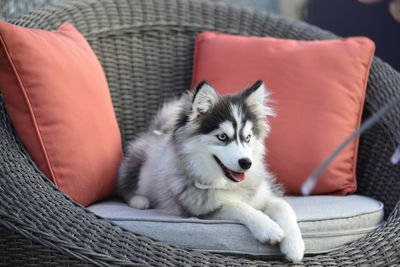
(231, 175)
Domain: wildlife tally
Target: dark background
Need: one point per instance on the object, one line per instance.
(350, 18)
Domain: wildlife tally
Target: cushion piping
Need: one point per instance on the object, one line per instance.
(343, 217)
(195, 220)
(360, 113)
(32, 112)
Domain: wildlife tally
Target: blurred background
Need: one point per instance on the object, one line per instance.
(342, 17)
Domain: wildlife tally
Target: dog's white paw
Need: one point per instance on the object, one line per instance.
(292, 246)
(139, 202)
(266, 230)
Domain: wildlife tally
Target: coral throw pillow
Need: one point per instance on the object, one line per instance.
(318, 90)
(57, 97)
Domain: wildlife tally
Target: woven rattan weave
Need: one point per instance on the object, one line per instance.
(146, 49)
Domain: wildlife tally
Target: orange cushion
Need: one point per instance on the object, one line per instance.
(318, 90)
(58, 100)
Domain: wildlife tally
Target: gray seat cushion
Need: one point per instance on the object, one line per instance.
(326, 223)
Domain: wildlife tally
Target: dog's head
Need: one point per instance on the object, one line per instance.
(222, 137)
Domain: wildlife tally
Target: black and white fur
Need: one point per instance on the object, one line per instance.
(193, 158)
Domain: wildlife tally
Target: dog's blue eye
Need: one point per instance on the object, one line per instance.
(222, 137)
(247, 139)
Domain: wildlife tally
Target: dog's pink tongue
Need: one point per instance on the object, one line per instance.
(238, 176)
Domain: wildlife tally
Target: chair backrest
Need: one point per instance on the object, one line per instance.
(147, 51)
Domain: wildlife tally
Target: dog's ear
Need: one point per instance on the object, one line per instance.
(257, 95)
(204, 98)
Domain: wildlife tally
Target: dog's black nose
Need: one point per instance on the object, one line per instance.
(245, 163)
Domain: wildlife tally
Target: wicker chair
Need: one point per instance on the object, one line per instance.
(146, 49)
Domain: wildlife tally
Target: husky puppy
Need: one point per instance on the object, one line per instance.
(203, 156)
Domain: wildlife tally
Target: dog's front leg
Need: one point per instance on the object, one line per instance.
(260, 225)
(292, 245)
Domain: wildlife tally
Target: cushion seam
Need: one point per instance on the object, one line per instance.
(32, 112)
(344, 217)
(196, 221)
(360, 112)
(336, 233)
